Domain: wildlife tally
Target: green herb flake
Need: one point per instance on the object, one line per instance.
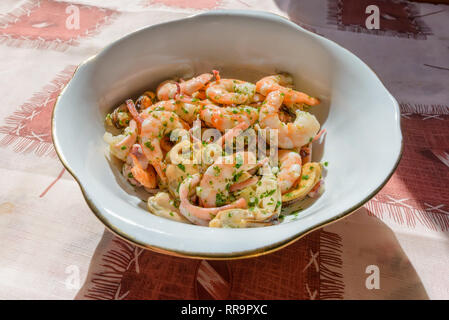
(217, 170)
(220, 200)
(278, 204)
(239, 161)
(236, 176)
(149, 145)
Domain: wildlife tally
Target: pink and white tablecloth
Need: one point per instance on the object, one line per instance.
(53, 247)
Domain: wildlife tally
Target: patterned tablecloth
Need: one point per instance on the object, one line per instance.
(52, 247)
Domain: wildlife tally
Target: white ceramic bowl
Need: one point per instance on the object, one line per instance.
(362, 146)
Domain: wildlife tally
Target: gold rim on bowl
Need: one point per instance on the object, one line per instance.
(193, 255)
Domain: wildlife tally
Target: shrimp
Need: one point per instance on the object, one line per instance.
(289, 169)
(279, 83)
(232, 133)
(230, 91)
(126, 171)
(264, 206)
(290, 135)
(224, 118)
(154, 128)
(201, 95)
(271, 83)
(146, 178)
(258, 98)
(135, 150)
(244, 184)
(199, 215)
(221, 175)
(181, 165)
(169, 89)
(187, 111)
(121, 144)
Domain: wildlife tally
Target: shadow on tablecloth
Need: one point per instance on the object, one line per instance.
(329, 263)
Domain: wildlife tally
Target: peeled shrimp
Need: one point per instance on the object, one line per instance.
(146, 178)
(230, 91)
(279, 83)
(199, 215)
(154, 128)
(184, 161)
(219, 177)
(169, 89)
(121, 144)
(265, 205)
(289, 169)
(223, 118)
(185, 110)
(290, 135)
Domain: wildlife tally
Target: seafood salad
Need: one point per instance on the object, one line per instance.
(219, 152)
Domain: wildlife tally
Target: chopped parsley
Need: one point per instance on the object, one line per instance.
(220, 200)
(278, 204)
(267, 193)
(149, 145)
(217, 170)
(236, 176)
(253, 202)
(239, 161)
(182, 167)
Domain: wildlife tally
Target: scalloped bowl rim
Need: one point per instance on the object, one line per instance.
(109, 219)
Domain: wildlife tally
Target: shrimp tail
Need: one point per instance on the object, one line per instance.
(216, 74)
(178, 91)
(319, 134)
(134, 113)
